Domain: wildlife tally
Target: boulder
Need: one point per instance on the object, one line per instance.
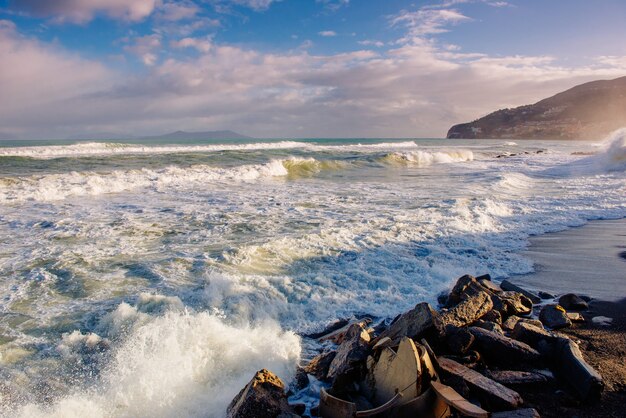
(468, 310)
(537, 337)
(318, 367)
(459, 340)
(352, 351)
(300, 381)
(412, 324)
(515, 379)
(512, 320)
(503, 350)
(573, 302)
(507, 285)
(571, 367)
(489, 285)
(489, 326)
(554, 317)
(493, 316)
(546, 295)
(493, 395)
(518, 413)
(263, 397)
(515, 303)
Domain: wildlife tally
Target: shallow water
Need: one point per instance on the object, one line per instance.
(155, 279)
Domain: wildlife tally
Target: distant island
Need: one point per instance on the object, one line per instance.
(182, 135)
(587, 111)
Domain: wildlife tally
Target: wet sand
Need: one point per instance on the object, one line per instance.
(589, 260)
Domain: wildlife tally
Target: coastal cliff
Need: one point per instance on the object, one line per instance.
(587, 111)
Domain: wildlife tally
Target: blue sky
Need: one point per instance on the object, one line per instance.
(292, 68)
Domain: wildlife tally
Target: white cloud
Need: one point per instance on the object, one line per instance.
(83, 11)
(418, 88)
(176, 11)
(334, 5)
(145, 48)
(427, 21)
(370, 42)
(201, 44)
(327, 33)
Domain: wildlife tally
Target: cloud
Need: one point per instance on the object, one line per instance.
(145, 47)
(417, 88)
(370, 42)
(224, 6)
(427, 21)
(333, 5)
(83, 11)
(201, 44)
(327, 33)
(176, 11)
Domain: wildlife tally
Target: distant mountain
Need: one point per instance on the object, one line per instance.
(182, 135)
(587, 111)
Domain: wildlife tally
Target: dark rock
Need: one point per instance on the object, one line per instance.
(459, 340)
(546, 295)
(412, 324)
(537, 337)
(511, 321)
(513, 303)
(518, 413)
(518, 379)
(502, 350)
(484, 277)
(318, 367)
(298, 408)
(489, 326)
(507, 285)
(301, 380)
(263, 397)
(468, 310)
(571, 367)
(573, 302)
(493, 316)
(491, 394)
(353, 350)
(554, 317)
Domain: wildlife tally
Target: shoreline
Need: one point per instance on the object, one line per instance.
(585, 260)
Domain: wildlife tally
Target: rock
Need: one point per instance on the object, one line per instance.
(554, 317)
(462, 285)
(507, 285)
(484, 277)
(337, 335)
(492, 394)
(489, 326)
(318, 367)
(511, 321)
(514, 378)
(546, 295)
(263, 397)
(538, 338)
(468, 310)
(602, 321)
(493, 316)
(298, 408)
(489, 285)
(353, 350)
(459, 340)
(575, 317)
(301, 380)
(518, 413)
(412, 324)
(503, 350)
(574, 370)
(513, 303)
(573, 302)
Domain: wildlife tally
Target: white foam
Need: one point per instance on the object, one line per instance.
(177, 364)
(426, 158)
(91, 149)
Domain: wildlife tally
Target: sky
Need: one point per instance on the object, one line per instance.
(292, 68)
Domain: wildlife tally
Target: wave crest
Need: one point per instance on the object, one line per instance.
(425, 158)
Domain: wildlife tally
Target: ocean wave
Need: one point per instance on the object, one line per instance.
(173, 364)
(93, 149)
(426, 158)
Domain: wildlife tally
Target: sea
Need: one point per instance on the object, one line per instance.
(153, 279)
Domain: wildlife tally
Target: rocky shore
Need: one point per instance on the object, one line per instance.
(487, 350)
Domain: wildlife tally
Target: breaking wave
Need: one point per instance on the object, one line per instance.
(425, 158)
(173, 364)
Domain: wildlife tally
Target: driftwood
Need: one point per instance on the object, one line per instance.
(572, 368)
(456, 401)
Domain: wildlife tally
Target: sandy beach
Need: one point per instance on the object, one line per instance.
(588, 261)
